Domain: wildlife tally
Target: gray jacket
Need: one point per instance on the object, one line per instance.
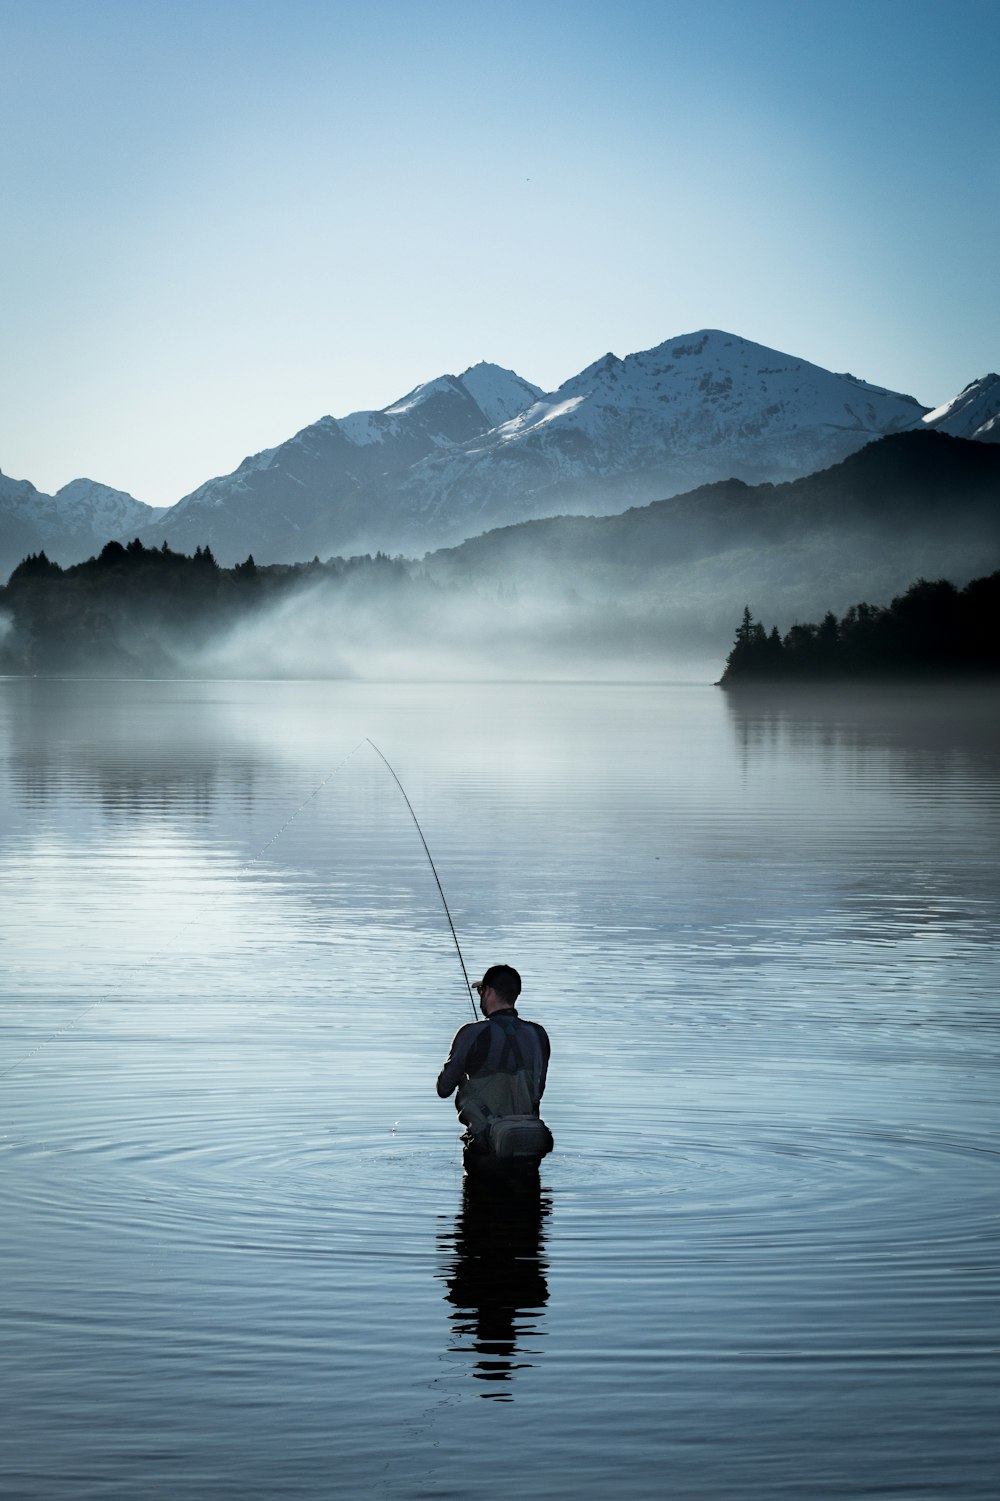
(499, 1066)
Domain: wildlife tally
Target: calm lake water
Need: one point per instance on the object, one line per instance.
(238, 1257)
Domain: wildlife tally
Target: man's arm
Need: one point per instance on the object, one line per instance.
(454, 1070)
(546, 1048)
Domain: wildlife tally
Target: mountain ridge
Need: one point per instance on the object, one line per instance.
(622, 431)
(80, 516)
(911, 504)
(692, 409)
(460, 455)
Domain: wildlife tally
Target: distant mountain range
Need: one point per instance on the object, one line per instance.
(462, 454)
(69, 525)
(333, 487)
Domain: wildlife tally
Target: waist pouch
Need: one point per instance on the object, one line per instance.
(520, 1136)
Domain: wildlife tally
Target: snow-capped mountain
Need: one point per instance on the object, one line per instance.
(703, 407)
(973, 413)
(101, 511)
(499, 393)
(69, 525)
(21, 521)
(460, 454)
(320, 491)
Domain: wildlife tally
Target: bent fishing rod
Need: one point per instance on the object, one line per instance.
(437, 878)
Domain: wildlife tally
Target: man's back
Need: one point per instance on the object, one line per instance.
(500, 1066)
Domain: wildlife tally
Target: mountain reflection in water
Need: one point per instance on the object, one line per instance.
(494, 1268)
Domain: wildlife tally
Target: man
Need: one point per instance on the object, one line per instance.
(499, 1066)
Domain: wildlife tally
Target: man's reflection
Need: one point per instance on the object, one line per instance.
(494, 1270)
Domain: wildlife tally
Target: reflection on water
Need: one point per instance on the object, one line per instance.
(149, 751)
(239, 1258)
(926, 728)
(494, 1269)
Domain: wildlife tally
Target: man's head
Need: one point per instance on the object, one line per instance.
(498, 989)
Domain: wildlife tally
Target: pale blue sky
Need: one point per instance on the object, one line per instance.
(221, 219)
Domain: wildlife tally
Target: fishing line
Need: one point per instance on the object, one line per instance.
(437, 878)
(154, 958)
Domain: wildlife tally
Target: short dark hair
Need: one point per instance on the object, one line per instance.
(505, 981)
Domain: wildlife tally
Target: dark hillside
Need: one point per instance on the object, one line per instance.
(916, 484)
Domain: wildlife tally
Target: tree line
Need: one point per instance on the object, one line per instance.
(134, 610)
(137, 609)
(933, 630)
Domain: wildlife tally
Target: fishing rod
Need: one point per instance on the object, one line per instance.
(437, 878)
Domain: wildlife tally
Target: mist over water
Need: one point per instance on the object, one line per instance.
(496, 632)
(653, 593)
(239, 1256)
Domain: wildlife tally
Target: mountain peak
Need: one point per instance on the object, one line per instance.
(606, 366)
(499, 394)
(484, 365)
(440, 385)
(973, 413)
(91, 490)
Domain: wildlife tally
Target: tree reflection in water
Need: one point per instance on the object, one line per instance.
(494, 1270)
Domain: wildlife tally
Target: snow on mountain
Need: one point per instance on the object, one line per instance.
(324, 488)
(973, 413)
(705, 389)
(698, 408)
(83, 506)
(103, 511)
(69, 525)
(460, 454)
(22, 518)
(499, 394)
(282, 502)
(17, 496)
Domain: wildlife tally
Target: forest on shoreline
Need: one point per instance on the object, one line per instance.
(933, 630)
(134, 611)
(137, 610)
